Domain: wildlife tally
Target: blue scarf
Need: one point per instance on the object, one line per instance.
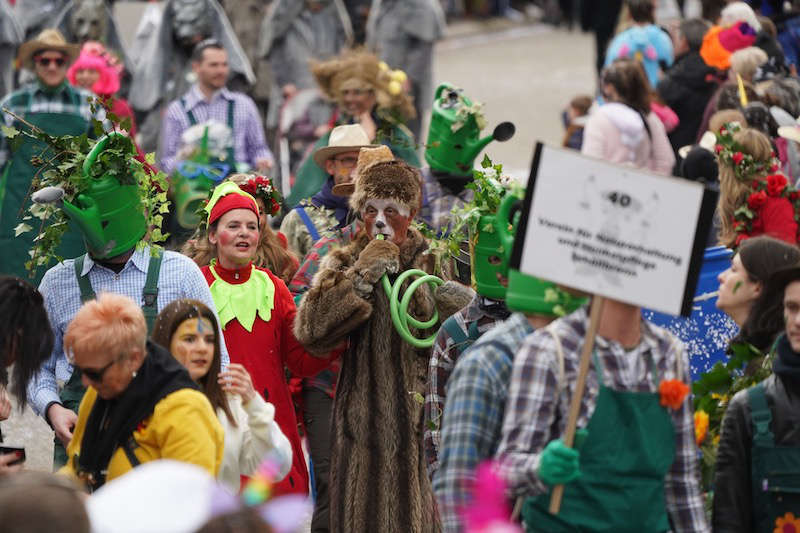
(340, 204)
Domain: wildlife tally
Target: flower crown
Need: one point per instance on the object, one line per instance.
(261, 187)
(729, 152)
(773, 186)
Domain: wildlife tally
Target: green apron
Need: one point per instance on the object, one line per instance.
(629, 450)
(15, 186)
(72, 393)
(775, 469)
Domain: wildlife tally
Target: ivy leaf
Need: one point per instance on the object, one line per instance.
(22, 228)
(126, 124)
(9, 132)
(419, 398)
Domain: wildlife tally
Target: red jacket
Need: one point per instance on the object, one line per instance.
(265, 352)
(776, 219)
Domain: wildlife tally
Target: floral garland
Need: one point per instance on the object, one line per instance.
(773, 186)
(261, 187)
(730, 153)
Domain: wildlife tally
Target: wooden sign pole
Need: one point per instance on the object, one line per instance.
(577, 395)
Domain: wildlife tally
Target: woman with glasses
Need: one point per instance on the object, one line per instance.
(140, 404)
(624, 130)
(189, 329)
(257, 315)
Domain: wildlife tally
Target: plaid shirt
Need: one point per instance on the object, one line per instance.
(301, 282)
(538, 404)
(437, 202)
(481, 311)
(473, 415)
(32, 98)
(179, 278)
(249, 144)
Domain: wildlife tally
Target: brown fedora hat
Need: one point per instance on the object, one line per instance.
(49, 39)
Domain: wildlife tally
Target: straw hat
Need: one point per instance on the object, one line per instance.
(49, 39)
(367, 157)
(347, 138)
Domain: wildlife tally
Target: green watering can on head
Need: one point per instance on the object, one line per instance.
(529, 294)
(193, 180)
(492, 250)
(454, 152)
(110, 215)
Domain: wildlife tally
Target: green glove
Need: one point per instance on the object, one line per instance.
(559, 464)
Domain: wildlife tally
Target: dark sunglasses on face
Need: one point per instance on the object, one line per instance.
(46, 61)
(97, 375)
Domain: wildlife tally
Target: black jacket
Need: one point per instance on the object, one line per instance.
(686, 88)
(732, 495)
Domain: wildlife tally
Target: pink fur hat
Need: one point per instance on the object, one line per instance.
(107, 84)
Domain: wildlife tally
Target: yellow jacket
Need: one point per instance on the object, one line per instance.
(183, 427)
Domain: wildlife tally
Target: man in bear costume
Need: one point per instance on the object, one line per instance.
(378, 480)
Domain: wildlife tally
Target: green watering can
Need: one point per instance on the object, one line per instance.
(454, 152)
(525, 293)
(192, 182)
(492, 250)
(110, 215)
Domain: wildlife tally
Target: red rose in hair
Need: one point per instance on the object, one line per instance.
(737, 158)
(794, 195)
(718, 148)
(776, 183)
(757, 200)
(773, 167)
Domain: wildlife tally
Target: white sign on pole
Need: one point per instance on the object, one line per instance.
(619, 232)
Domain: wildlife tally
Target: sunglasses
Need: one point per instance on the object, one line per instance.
(46, 61)
(97, 375)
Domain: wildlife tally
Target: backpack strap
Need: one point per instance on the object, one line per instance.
(312, 229)
(87, 293)
(128, 446)
(761, 415)
(189, 114)
(455, 332)
(150, 291)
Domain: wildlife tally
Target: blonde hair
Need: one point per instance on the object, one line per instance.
(746, 61)
(734, 192)
(109, 324)
(720, 118)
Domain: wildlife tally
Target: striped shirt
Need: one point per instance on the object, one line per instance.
(179, 278)
(249, 144)
(33, 98)
(473, 415)
(538, 403)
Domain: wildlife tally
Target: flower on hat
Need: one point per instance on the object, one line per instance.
(261, 187)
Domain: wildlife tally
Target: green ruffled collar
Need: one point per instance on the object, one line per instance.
(244, 300)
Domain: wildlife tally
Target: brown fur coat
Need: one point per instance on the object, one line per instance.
(378, 479)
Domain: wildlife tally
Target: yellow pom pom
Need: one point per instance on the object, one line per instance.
(383, 66)
(399, 76)
(395, 88)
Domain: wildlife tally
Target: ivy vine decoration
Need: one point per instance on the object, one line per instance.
(712, 392)
(489, 187)
(60, 164)
(731, 153)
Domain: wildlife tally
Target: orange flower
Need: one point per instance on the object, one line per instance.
(700, 426)
(787, 524)
(673, 392)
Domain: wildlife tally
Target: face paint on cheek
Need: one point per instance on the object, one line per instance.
(737, 286)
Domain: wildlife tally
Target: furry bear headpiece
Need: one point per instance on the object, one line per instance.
(388, 180)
